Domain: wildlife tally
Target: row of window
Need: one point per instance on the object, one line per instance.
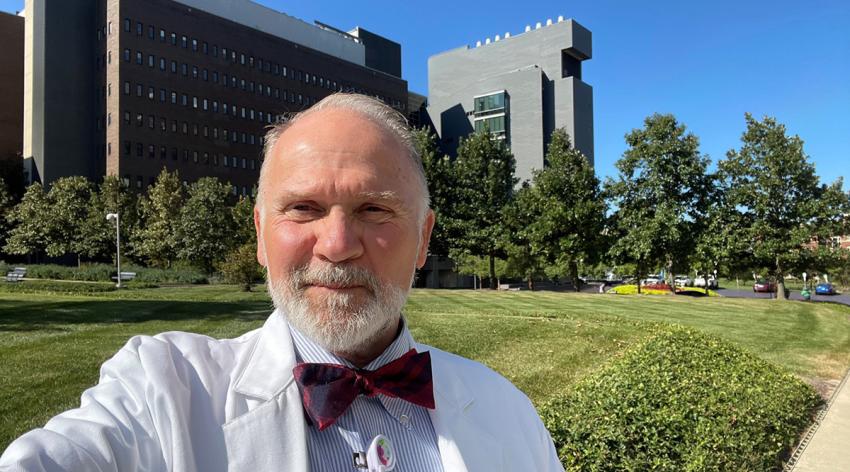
(185, 128)
(140, 184)
(235, 57)
(184, 69)
(206, 104)
(204, 158)
(201, 103)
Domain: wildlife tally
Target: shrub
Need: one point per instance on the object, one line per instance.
(56, 286)
(86, 272)
(241, 267)
(682, 401)
(647, 290)
(179, 274)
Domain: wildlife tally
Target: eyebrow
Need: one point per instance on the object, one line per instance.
(387, 196)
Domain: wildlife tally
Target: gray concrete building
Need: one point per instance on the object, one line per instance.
(520, 87)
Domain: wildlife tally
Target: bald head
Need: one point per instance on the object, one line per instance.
(391, 124)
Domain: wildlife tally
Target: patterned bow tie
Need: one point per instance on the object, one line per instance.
(327, 390)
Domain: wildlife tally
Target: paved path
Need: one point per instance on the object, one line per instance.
(828, 449)
(795, 295)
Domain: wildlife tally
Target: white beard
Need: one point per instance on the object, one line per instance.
(339, 322)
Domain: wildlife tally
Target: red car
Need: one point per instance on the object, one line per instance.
(763, 285)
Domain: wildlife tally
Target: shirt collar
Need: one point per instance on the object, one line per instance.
(308, 350)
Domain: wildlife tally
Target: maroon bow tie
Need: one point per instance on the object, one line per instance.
(327, 390)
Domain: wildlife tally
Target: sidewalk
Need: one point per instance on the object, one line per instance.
(829, 448)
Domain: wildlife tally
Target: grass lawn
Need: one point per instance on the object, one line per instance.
(51, 345)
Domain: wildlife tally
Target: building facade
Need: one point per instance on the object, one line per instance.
(520, 88)
(129, 87)
(11, 86)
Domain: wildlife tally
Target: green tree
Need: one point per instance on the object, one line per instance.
(205, 230)
(156, 237)
(5, 210)
(442, 186)
(524, 257)
(659, 196)
(69, 201)
(29, 223)
(569, 211)
(783, 207)
(112, 196)
(243, 222)
(241, 266)
(484, 170)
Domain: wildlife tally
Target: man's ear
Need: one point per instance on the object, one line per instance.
(261, 247)
(425, 238)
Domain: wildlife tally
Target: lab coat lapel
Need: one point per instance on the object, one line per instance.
(464, 445)
(272, 435)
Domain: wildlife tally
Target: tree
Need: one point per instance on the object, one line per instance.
(659, 196)
(156, 238)
(485, 182)
(69, 201)
(524, 257)
(241, 267)
(205, 228)
(29, 223)
(5, 210)
(243, 222)
(112, 196)
(568, 211)
(442, 186)
(782, 206)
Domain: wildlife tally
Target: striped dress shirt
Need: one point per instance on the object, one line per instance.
(407, 426)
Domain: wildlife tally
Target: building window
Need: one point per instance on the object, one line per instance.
(492, 103)
(151, 93)
(494, 124)
(184, 100)
(184, 69)
(194, 44)
(162, 35)
(185, 127)
(173, 154)
(140, 119)
(127, 24)
(195, 157)
(215, 50)
(126, 55)
(163, 125)
(127, 117)
(140, 58)
(183, 41)
(139, 181)
(174, 39)
(108, 149)
(194, 72)
(163, 152)
(205, 75)
(151, 122)
(151, 32)
(215, 77)
(128, 147)
(151, 151)
(140, 149)
(140, 90)
(174, 98)
(195, 102)
(173, 67)
(162, 64)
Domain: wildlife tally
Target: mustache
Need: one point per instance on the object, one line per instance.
(334, 275)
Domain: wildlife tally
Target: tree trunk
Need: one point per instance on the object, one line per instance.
(573, 268)
(530, 282)
(493, 272)
(780, 282)
(638, 274)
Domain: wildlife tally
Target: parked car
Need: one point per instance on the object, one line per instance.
(701, 282)
(763, 285)
(652, 280)
(682, 281)
(825, 289)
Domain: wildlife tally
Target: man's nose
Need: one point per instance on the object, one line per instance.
(338, 240)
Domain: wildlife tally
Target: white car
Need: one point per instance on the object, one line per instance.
(682, 281)
(652, 280)
(700, 282)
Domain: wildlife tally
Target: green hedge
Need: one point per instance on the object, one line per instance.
(56, 286)
(682, 401)
(103, 272)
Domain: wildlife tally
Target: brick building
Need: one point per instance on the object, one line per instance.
(127, 87)
(11, 86)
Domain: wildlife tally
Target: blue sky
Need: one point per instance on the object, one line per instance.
(705, 62)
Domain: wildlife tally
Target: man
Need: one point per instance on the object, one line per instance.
(342, 222)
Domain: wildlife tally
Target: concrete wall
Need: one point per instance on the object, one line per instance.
(268, 20)
(381, 53)
(529, 67)
(60, 88)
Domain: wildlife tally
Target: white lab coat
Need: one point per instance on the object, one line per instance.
(185, 402)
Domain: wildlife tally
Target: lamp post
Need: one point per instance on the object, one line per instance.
(110, 217)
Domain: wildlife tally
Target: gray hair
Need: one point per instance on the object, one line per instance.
(372, 109)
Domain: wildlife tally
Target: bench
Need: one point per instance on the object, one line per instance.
(125, 276)
(16, 275)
